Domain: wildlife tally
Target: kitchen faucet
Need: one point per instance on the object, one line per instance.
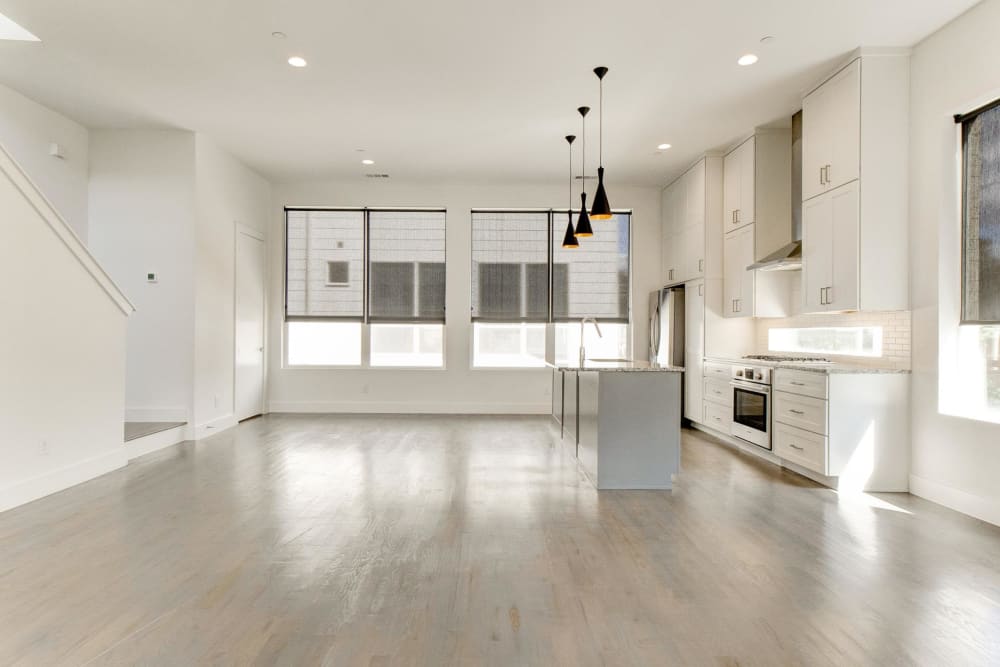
(583, 352)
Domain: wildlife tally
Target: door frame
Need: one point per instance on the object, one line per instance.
(240, 228)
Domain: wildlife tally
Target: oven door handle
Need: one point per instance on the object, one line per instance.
(751, 386)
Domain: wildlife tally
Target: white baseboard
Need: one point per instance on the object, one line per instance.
(212, 427)
(156, 415)
(61, 478)
(156, 441)
(411, 407)
(980, 507)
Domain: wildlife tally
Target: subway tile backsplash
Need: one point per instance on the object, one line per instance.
(895, 334)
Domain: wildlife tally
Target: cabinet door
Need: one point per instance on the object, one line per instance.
(731, 174)
(843, 109)
(695, 187)
(731, 282)
(817, 257)
(748, 194)
(843, 292)
(667, 245)
(815, 143)
(694, 349)
(694, 251)
(745, 305)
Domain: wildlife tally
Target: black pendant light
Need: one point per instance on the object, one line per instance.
(601, 209)
(569, 240)
(583, 228)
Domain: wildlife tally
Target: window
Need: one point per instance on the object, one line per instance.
(613, 343)
(970, 358)
(338, 273)
(847, 341)
(981, 216)
(522, 279)
(377, 267)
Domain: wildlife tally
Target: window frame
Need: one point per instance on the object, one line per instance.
(365, 321)
(961, 120)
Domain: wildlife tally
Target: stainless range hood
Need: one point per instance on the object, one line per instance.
(789, 257)
(785, 258)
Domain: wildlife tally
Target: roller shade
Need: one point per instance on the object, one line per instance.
(593, 280)
(325, 264)
(510, 266)
(407, 266)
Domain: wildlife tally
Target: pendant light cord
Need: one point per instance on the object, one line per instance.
(583, 156)
(600, 133)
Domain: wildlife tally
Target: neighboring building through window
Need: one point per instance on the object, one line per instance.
(522, 280)
(348, 268)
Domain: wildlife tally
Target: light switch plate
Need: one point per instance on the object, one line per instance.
(151, 278)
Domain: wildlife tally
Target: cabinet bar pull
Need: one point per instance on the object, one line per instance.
(701, 265)
(797, 384)
(796, 412)
(796, 447)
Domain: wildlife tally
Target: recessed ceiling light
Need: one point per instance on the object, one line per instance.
(12, 31)
(297, 61)
(277, 34)
(663, 147)
(748, 59)
(368, 162)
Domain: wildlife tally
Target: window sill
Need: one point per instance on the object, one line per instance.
(363, 368)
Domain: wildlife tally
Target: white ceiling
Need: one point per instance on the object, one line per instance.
(462, 90)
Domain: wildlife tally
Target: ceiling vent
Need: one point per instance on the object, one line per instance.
(376, 175)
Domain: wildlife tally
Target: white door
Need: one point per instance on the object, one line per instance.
(748, 279)
(817, 253)
(731, 189)
(732, 277)
(843, 292)
(844, 125)
(250, 286)
(694, 349)
(748, 179)
(815, 142)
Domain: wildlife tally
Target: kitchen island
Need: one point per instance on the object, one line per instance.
(622, 421)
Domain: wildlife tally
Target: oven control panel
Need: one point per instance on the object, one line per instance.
(758, 374)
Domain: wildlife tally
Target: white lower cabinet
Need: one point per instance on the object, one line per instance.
(718, 392)
(718, 416)
(800, 446)
(851, 428)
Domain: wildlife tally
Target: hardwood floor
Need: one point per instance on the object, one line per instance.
(367, 540)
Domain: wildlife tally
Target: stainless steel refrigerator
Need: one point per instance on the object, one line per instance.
(666, 326)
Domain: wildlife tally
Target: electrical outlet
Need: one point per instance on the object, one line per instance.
(364, 389)
(43, 448)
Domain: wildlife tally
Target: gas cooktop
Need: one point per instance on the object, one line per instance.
(778, 358)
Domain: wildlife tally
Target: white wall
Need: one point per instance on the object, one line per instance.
(62, 352)
(26, 130)
(955, 461)
(458, 388)
(227, 193)
(142, 219)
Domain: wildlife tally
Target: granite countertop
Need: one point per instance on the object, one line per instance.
(616, 366)
(824, 368)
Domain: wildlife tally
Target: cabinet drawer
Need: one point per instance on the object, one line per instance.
(718, 416)
(803, 412)
(718, 371)
(802, 447)
(800, 382)
(718, 392)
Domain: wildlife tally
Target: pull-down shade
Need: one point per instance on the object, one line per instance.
(510, 266)
(321, 245)
(407, 266)
(981, 216)
(596, 275)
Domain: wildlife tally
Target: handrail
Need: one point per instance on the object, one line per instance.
(55, 221)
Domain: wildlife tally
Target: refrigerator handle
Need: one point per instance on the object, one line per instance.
(655, 326)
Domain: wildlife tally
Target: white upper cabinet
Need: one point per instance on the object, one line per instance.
(855, 136)
(740, 183)
(832, 133)
(757, 210)
(687, 205)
